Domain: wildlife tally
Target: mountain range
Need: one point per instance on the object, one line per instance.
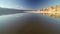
(4, 11)
(53, 11)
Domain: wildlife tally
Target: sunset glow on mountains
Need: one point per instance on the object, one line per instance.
(53, 11)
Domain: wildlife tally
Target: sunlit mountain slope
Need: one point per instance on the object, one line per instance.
(53, 11)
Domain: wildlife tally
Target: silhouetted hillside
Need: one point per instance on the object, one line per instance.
(4, 11)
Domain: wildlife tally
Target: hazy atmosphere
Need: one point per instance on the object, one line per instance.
(28, 4)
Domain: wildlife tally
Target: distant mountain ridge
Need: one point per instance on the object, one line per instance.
(4, 11)
(53, 11)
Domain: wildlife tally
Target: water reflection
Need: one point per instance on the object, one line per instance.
(10, 22)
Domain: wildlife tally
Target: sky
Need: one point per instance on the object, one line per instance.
(28, 4)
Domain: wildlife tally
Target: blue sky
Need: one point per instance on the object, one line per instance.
(28, 4)
(10, 4)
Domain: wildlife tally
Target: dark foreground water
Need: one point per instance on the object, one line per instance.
(24, 23)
